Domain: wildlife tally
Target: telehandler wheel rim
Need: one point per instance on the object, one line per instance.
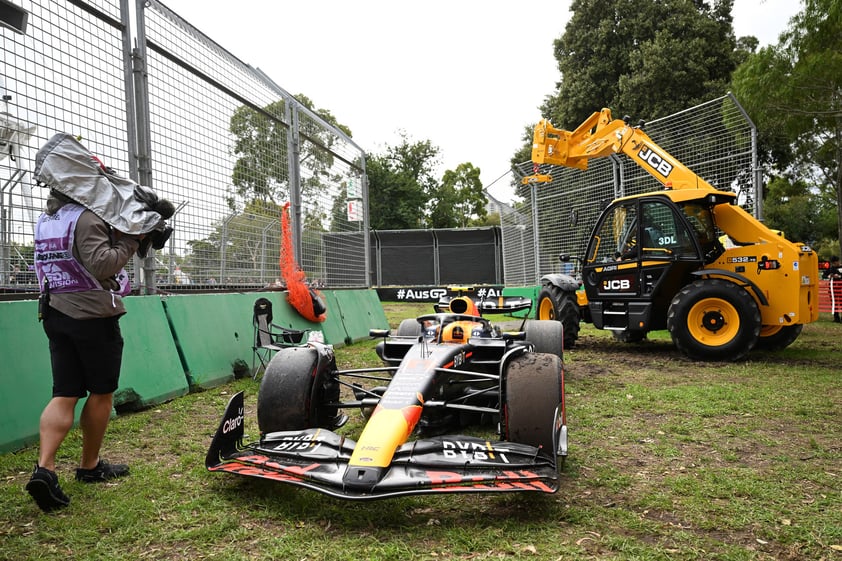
(546, 309)
(769, 330)
(713, 321)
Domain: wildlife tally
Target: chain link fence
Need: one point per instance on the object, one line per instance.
(165, 105)
(716, 140)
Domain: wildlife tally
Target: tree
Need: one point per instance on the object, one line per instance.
(797, 211)
(400, 182)
(645, 58)
(793, 92)
(261, 171)
(459, 200)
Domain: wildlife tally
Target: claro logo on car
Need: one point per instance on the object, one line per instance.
(233, 423)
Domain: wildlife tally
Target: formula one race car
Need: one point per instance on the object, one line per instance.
(442, 372)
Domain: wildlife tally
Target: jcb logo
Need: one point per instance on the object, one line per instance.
(616, 284)
(655, 160)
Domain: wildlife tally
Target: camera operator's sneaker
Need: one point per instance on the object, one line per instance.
(43, 487)
(102, 472)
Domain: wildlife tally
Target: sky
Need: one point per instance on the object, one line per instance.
(467, 75)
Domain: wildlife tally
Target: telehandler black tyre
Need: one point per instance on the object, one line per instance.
(714, 320)
(778, 338)
(557, 304)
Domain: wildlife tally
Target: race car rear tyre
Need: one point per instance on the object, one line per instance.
(560, 305)
(545, 336)
(534, 383)
(294, 390)
(714, 320)
(778, 337)
(409, 328)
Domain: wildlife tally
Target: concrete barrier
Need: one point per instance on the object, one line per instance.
(214, 332)
(172, 344)
(151, 371)
(26, 384)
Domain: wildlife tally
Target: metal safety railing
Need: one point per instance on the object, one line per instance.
(165, 105)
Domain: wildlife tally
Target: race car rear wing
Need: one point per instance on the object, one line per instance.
(500, 305)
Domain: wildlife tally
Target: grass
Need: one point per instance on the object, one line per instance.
(669, 460)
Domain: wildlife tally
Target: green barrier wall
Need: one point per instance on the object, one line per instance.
(26, 384)
(151, 371)
(171, 344)
(213, 332)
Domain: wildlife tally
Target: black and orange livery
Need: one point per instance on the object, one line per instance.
(442, 373)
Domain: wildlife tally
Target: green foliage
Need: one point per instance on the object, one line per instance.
(798, 211)
(261, 169)
(400, 182)
(792, 92)
(644, 58)
(459, 201)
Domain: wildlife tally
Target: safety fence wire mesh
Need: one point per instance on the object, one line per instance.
(63, 73)
(227, 146)
(246, 147)
(716, 140)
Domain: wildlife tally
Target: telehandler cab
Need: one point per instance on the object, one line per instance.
(656, 260)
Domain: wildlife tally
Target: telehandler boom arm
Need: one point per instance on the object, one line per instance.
(601, 136)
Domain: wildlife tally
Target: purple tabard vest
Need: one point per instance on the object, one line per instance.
(54, 259)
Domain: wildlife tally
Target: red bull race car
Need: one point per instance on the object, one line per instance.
(442, 373)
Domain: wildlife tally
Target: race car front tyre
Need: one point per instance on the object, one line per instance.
(409, 328)
(534, 383)
(545, 336)
(295, 389)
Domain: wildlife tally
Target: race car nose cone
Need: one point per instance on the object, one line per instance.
(362, 478)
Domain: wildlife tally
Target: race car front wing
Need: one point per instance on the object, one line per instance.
(319, 459)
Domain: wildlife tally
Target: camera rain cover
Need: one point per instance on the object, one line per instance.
(65, 165)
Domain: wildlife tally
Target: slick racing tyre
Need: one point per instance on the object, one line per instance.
(560, 305)
(534, 383)
(545, 336)
(714, 320)
(409, 328)
(295, 389)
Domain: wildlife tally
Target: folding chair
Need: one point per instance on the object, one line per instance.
(269, 337)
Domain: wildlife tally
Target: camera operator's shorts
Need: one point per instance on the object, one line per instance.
(86, 354)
